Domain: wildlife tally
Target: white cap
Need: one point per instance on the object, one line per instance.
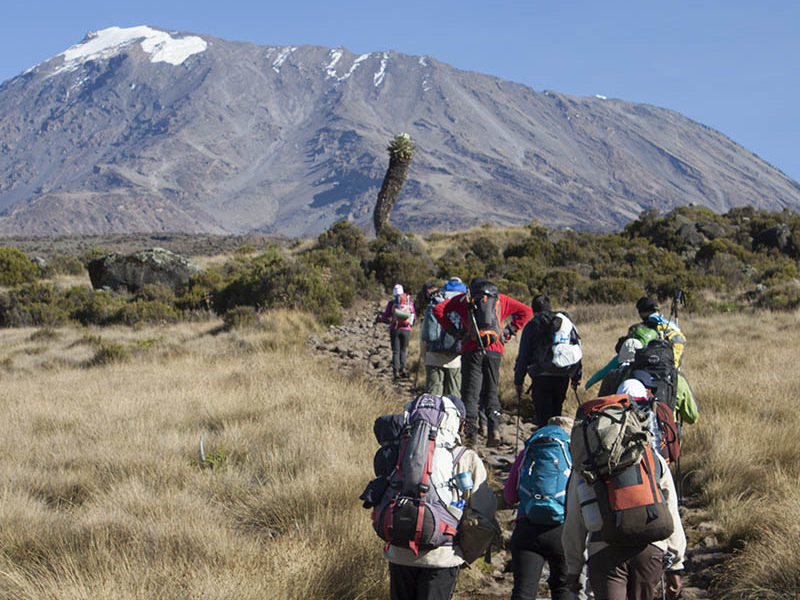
(633, 387)
(456, 279)
(398, 289)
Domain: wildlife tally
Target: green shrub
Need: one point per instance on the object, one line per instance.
(240, 317)
(140, 311)
(613, 290)
(346, 236)
(109, 353)
(63, 264)
(198, 292)
(16, 268)
(399, 259)
(92, 307)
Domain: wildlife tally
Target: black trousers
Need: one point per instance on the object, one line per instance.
(548, 396)
(531, 546)
(418, 583)
(399, 339)
(480, 373)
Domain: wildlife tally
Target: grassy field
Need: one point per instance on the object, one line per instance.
(105, 495)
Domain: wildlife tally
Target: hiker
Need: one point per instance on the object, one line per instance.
(616, 369)
(538, 481)
(424, 554)
(481, 312)
(400, 315)
(540, 356)
(666, 329)
(624, 498)
(442, 358)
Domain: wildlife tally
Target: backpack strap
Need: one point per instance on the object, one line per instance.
(423, 489)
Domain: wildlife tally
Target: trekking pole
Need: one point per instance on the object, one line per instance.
(678, 464)
(678, 298)
(516, 437)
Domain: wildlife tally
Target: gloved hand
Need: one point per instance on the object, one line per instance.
(575, 383)
(509, 331)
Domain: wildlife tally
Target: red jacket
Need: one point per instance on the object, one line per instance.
(518, 312)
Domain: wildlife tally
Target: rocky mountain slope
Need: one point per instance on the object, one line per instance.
(142, 130)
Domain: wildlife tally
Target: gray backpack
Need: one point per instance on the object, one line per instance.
(418, 510)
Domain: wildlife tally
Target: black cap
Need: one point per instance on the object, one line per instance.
(644, 377)
(646, 305)
(540, 303)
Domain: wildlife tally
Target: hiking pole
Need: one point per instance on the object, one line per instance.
(679, 297)
(678, 463)
(516, 437)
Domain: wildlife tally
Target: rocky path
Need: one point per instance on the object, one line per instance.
(360, 348)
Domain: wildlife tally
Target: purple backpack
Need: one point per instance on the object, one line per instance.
(415, 511)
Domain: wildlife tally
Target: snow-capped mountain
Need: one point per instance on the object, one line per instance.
(141, 129)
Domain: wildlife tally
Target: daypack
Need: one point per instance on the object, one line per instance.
(403, 310)
(609, 435)
(657, 359)
(414, 512)
(436, 338)
(543, 475)
(484, 309)
(566, 342)
(628, 508)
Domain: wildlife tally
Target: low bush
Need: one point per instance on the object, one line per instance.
(16, 268)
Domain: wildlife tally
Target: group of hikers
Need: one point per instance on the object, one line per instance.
(594, 494)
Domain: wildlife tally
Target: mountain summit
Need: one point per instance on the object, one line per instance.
(142, 130)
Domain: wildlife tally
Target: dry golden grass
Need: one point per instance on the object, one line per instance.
(104, 497)
(104, 494)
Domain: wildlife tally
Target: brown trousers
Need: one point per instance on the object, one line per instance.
(617, 573)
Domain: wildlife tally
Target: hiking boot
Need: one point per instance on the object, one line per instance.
(394, 375)
(493, 440)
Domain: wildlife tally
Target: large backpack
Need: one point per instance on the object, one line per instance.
(484, 309)
(436, 338)
(403, 310)
(657, 358)
(609, 435)
(413, 512)
(543, 475)
(628, 508)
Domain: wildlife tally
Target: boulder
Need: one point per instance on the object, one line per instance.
(131, 272)
(778, 237)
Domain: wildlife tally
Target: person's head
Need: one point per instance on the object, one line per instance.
(565, 423)
(397, 290)
(455, 280)
(645, 378)
(428, 288)
(633, 388)
(646, 306)
(540, 303)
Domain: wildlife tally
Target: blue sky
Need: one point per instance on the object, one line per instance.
(733, 65)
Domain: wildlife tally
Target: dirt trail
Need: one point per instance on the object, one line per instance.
(359, 348)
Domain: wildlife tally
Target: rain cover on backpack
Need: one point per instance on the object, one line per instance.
(566, 342)
(413, 512)
(543, 475)
(609, 435)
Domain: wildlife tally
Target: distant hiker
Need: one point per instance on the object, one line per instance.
(538, 481)
(441, 349)
(622, 495)
(666, 329)
(615, 372)
(481, 312)
(400, 314)
(550, 352)
(433, 496)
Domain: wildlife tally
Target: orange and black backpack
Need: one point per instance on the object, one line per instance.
(484, 308)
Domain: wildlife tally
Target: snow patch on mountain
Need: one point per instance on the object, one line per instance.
(160, 45)
(282, 56)
(377, 79)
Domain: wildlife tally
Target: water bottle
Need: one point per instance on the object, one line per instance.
(590, 510)
(456, 508)
(463, 481)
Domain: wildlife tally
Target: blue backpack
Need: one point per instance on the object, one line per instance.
(543, 475)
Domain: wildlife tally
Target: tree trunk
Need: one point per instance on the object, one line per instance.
(390, 190)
